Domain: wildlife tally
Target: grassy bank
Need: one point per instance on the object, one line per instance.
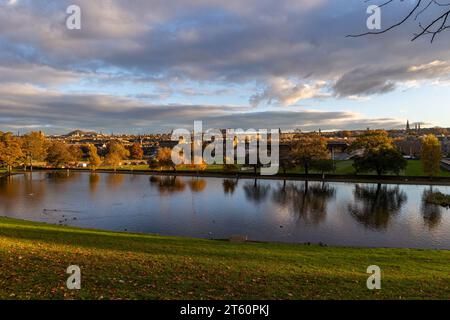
(34, 258)
(343, 167)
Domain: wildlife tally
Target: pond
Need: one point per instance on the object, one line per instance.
(343, 214)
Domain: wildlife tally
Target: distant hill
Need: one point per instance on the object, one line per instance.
(80, 133)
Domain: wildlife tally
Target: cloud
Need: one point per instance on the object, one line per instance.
(287, 50)
(368, 81)
(32, 108)
(286, 92)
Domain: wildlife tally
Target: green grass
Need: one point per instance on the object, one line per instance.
(34, 258)
(344, 167)
(414, 168)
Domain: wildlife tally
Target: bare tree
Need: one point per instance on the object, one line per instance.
(437, 20)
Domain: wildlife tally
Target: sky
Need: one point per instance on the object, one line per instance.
(147, 66)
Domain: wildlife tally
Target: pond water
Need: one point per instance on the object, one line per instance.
(349, 214)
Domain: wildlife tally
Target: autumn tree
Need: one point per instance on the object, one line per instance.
(381, 160)
(309, 148)
(373, 140)
(287, 163)
(34, 147)
(199, 167)
(136, 152)
(431, 155)
(379, 153)
(11, 154)
(94, 159)
(59, 155)
(164, 158)
(116, 153)
(76, 152)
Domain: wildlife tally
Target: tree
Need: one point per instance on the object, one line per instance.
(381, 160)
(136, 152)
(94, 158)
(34, 147)
(323, 165)
(11, 154)
(198, 167)
(309, 148)
(76, 152)
(431, 155)
(372, 141)
(437, 21)
(286, 163)
(59, 155)
(116, 152)
(164, 158)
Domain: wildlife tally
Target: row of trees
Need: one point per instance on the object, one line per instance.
(377, 153)
(309, 151)
(34, 147)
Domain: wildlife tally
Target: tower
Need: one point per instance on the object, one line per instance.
(408, 127)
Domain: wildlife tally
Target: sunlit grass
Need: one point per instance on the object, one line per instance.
(34, 258)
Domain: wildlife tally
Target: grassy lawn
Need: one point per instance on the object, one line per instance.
(414, 168)
(343, 167)
(34, 258)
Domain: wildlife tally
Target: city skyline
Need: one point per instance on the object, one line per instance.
(153, 67)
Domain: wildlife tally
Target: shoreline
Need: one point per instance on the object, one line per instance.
(397, 180)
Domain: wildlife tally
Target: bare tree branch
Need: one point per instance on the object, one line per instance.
(432, 28)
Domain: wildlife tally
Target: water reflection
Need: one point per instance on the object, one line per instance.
(168, 185)
(431, 213)
(308, 203)
(256, 192)
(115, 180)
(265, 210)
(94, 179)
(229, 185)
(375, 205)
(197, 184)
(60, 176)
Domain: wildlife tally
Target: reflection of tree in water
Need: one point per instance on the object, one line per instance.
(115, 180)
(168, 184)
(308, 202)
(94, 179)
(432, 213)
(197, 185)
(9, 187)
(60, 176)
(256, 192)
(15, 190)
(374, 206)
(229, 185)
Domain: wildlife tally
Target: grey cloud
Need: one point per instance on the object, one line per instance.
(213, 40)
(29, 108)
(368, 81)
